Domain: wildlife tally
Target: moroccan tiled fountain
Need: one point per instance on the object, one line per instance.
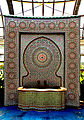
(41, 86)
(42, 59)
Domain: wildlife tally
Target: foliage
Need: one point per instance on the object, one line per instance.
(1, 65)
(1, 79)
(82, 77)
(82, 73)
(82, 66)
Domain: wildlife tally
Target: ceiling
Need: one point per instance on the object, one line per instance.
(38, 8)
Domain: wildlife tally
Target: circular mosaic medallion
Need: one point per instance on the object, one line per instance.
(41, 25)
(11, 55)
(11, 75)
(72, 35)
(11, 35)
(11, 86)
(42, 57)
(72, 75)
(71, 96)
(42, 53)
(72, 86)
(12, 24)
(11, 65)
(32, 25)
(11, 96)
(51, 25)
(72, 45)
(22, 25)
(72, 55)
(72, 65)
(11, 45)
(61, 25)
(72, 25)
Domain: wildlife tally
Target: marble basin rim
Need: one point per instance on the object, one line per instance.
(39, 89)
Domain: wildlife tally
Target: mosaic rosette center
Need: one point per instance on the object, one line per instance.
(11, 86)
(11, 75)
(11, 96)
(32, 25)
(72, 24)
(12, 24)
(72, 65)
(11, 45)
(52, 25)
(42, 57)
(11, 35)
(11, 65)
(71, 96)
(72, 86)
(72, 55)
(22, 25)
(11, 55)
(61, 25)
(72, 75)
(41, 25)
(72, 45)
(72, 35)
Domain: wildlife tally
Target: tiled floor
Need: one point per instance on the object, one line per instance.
(13, 113)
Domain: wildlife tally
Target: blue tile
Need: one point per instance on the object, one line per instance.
(13, 113)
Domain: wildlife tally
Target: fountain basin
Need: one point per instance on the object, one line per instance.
(41, 99)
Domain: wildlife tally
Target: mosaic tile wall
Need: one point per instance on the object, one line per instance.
(14, 26)
(45, 58)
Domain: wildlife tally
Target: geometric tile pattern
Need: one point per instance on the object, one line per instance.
(69, 26)
(42, 59)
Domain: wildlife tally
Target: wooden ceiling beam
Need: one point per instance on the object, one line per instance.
(64, 7)
(22, 7)
(53, 7)
(43, 9)
(44, 1)
(32, 8)
(10, 6)
(76, 7)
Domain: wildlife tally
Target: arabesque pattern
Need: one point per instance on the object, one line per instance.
(16, 25)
